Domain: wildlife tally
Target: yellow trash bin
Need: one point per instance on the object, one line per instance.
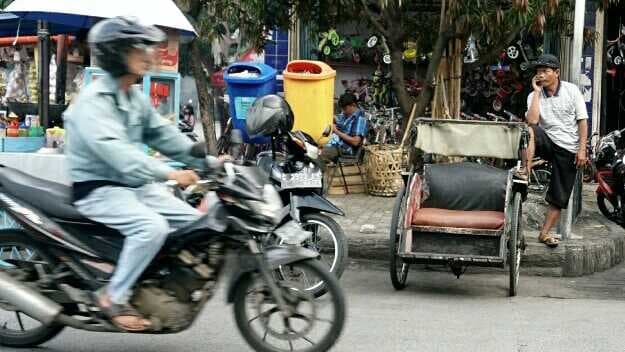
(309, 89)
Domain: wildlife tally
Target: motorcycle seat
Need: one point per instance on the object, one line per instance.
(53, 199)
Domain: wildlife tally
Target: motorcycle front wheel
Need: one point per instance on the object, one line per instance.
(328, 239)
(306, 325)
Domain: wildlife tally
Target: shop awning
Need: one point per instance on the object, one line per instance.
(83, 14)
(11, 26)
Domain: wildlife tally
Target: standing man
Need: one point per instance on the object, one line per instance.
(556, 113)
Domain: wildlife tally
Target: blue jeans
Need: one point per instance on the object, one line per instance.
(145, 215)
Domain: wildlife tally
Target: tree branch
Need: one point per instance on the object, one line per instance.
(374, 21)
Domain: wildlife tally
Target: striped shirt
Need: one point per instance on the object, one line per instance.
(354, 125)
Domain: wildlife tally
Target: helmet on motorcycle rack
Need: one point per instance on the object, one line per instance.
(111, 40)
(269, 115)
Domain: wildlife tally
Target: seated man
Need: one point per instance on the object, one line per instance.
(349, 130)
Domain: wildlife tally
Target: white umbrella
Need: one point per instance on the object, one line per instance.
(84, 13)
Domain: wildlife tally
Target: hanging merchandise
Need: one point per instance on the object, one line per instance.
(512, 52)
(4, 76)
(470, 51)
(16, 87)
(410, 51)
(381, 49)
(330, 44)
(616, 49)
(373, 40)
(53, 78)
(33, 86)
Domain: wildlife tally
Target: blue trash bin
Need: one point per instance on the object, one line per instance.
(243, 88)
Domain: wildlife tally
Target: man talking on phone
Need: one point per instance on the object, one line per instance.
(558, 120)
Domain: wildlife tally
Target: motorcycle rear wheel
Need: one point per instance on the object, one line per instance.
(23, 331)
(606, 208)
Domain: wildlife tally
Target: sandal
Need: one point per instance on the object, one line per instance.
(521, 174)
(116, 311)
(549, 240)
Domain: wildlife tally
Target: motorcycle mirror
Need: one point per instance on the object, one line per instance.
(327, 131)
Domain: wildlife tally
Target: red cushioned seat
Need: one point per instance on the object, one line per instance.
(473, 219)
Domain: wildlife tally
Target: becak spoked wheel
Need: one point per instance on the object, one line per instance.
(515, 243)
(398, 268)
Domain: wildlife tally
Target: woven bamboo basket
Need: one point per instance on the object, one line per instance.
(383, 164)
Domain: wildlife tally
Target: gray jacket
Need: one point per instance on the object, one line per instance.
(107, 132)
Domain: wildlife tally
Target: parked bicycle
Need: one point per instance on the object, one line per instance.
(385, 126)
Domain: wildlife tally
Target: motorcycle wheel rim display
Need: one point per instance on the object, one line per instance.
(372, 41)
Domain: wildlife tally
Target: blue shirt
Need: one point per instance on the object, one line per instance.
(353, 125)
(106, 131)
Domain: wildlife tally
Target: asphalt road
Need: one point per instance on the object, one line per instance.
(436, 312)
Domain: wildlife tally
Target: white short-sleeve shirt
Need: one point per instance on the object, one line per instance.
(560, 113)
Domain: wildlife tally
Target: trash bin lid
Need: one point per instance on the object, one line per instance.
(249, 73)
(311, 70)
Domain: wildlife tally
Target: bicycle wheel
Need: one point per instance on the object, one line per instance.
(539, 182)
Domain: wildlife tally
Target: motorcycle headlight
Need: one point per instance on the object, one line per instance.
(272, 205)
(312, 151)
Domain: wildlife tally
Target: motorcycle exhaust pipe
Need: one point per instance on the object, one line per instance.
(27, 300)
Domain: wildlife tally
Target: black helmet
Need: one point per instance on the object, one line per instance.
(110, 40)
(269, 115)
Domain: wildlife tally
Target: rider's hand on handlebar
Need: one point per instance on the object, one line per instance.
(184, 178)
(224, 157)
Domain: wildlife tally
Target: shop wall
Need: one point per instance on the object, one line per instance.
(277, 53)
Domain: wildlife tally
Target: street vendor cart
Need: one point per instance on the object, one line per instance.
(462, 213)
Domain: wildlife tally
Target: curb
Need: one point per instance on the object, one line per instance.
(571, 259)
(596, 244)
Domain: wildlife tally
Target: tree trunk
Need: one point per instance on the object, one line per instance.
(399, 87)
(206, 100)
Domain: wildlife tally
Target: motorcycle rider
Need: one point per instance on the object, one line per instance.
(116, 182)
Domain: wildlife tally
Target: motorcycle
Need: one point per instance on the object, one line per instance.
(609, 161)
(298, 179)
(70, 257)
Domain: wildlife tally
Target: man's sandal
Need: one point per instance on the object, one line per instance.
(548, 240)
(521, 174)
(116, 311)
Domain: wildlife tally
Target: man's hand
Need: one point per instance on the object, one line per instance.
(334, 129)
(580, 158)
(536, 84)
(184, 178)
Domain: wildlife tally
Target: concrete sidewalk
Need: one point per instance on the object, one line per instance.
(596, 245)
